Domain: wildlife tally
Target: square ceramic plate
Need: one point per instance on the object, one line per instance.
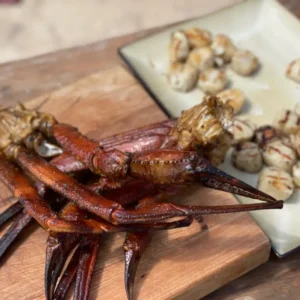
(272, 33)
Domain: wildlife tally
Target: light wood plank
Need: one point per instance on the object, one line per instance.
(187, 263)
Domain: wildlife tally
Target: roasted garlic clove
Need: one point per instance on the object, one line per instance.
(201, 58)
(178, 47)
(266, 134)
(242, 130)
(293, 70)
(287, 121)
(280, 155)
(212, 81)
(244, 62)
(296, 174)
(276, 183)
(233, 97)
(182, 77)
(223, 47)
(247, 157)
(198, 37)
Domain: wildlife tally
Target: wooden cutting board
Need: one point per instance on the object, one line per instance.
(186, 263)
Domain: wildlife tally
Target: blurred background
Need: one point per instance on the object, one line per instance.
(33, 27)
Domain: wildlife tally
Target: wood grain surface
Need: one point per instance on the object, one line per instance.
(19, 81)
(187, 263)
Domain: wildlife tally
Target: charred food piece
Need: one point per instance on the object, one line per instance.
(247, 157)
(212, 81)
(242, 130)
(182, 77)
(223, 47)
(198, 37)
(244, 62)
(279, 154)
(276, 183)
(266, 134)
(201, 58)
(287, 121)
(233, 97)
(178, 47)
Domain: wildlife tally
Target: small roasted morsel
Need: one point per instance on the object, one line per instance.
(244, 62)
(279, 154)
(198, 37)
(296, 174)
(201, 58)
(287, 121)
(223, 47)
(212, 81)
(233, 97)
(178, 47)
(182, 77)
(242, 130)
(266, 134)
(247, 157)
(293, 70)
(276, 182)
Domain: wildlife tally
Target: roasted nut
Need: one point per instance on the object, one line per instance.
(242, 130)
(233, 97)
(276, 183)
(201, 58)
(296, 174)
(288, 122)
(182, 77)
(223, 47)
(212, 81)
(280, 155)
(293, 70)
(244, 62)
(198, 37)
(178, 47)
(247, 157)
(266, 134)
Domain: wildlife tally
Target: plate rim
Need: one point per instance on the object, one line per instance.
(144, 84)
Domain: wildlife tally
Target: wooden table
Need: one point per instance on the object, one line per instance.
(23, 80)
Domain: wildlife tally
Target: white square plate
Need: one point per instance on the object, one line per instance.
(272, 33)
